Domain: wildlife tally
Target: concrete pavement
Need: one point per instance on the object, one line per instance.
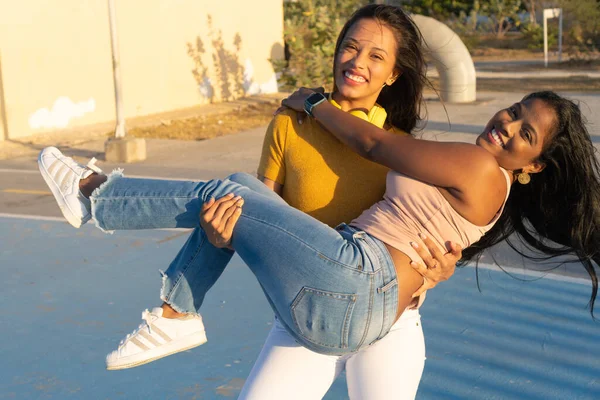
(519, 69)
(71, 295)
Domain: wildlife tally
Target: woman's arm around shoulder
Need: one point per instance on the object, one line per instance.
(442, 164)
(449, 165)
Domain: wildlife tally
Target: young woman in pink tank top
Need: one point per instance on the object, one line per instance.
(540, 142)
(337, 291)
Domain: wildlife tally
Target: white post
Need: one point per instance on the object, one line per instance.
(545, 40)
(112, 17)
(560, 26)
(552, 13)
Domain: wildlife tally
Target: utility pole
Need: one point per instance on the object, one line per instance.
(116, 64)
(120, 149)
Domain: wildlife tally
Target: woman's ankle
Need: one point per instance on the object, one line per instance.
(91, 183)
(169, 312)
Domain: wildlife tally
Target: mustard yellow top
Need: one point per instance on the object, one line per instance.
(321, 176)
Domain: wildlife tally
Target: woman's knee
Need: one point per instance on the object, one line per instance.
(242, 178)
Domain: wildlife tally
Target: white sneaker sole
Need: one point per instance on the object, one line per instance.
(183, 344)
(60, 199)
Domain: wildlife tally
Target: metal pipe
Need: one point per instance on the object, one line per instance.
(458, 82)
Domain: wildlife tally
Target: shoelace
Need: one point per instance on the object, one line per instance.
(148, 318)
(92, 165)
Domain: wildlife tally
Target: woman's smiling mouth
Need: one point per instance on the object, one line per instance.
(354, 77)
(495, 138)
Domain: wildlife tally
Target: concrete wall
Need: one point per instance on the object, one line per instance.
(56, 67)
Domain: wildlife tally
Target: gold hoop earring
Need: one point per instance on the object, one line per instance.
(524, 178)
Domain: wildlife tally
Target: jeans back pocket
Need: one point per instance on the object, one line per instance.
(323, 317)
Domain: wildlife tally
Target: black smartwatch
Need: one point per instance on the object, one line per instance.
(312, 101)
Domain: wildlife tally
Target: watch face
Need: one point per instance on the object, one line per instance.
(313, 100)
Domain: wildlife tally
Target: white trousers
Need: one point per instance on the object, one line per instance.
(388, 370)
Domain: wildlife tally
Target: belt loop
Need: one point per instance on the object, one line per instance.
(358, 235)
(388, 286)
(341, 227)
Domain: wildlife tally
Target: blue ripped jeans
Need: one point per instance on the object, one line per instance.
(333, 290)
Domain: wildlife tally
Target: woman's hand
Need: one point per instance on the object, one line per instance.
(435, 266)
(218, 218)
(296, 102)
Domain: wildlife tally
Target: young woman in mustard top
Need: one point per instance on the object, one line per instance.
(379, 77)
(317, 174)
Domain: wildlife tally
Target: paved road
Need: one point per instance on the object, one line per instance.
(70, 295)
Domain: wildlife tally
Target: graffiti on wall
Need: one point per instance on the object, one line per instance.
(61, 113)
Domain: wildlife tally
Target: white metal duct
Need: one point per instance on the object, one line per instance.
(451, 59)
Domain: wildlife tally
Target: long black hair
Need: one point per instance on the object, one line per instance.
(404, 98)
(558, 212)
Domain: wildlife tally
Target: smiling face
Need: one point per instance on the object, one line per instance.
(364, 63)
(516, 135)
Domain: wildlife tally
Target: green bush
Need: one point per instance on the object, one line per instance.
(311, 28)
(534, 35)
(582, 46)
(466, 30)
(582, 26)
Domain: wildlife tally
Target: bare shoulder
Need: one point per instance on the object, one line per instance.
(488, 179)
(481, 173)
(488, 165)
(482, 160)
(482, 190)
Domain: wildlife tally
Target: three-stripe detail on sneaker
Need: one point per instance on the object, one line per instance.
(149, 338)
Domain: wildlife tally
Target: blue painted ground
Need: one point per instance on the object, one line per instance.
(70, 295)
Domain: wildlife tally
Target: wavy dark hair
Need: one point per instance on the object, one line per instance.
(403, 99)
(558, 212)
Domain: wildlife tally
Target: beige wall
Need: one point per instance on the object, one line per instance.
(55, 57)
(3, 120)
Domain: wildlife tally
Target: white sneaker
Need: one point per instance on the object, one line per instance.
(155, 338)
(62, 175)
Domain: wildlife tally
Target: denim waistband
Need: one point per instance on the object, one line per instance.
(376, 247)
(388, 289)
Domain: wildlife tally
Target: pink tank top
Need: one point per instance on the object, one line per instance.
(410, 207)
